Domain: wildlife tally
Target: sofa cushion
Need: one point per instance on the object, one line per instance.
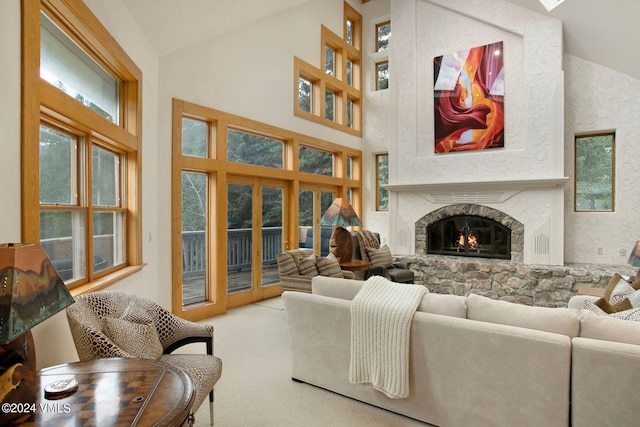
(307, 266)
(563, 321)
(443, 304)
(329, 266)
(380, 256)
(335, 287)
(608, 328)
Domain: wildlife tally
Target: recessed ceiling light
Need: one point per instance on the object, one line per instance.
(550, 4)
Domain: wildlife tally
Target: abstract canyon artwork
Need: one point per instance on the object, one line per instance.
(469, 99)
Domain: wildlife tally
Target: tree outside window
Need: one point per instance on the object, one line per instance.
(595, 172)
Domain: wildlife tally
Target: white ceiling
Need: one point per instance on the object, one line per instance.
(599, 31)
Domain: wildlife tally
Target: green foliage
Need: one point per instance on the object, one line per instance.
(594, 173)
(244, 147)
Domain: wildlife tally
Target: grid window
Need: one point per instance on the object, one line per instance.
(195, 138)
(330, 61)
(382, 73)
(383, 33)
(245, 147)
(321, 93)
(382, 178)
(330, 105)
(305, 92)
(69, 68)
(317, 162)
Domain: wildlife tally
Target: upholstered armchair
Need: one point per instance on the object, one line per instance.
(298, 266)
(119, 324)
(366, 246)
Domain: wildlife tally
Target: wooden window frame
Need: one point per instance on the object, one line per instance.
(377, 38)
(42, 101)
(612, 134)
(336, 83)
(222, 171)
(377, 161)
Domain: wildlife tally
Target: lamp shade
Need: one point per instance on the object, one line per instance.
(30, 289)
(634, 258)
(340, 213)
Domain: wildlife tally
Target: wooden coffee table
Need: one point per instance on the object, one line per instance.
(116, 392)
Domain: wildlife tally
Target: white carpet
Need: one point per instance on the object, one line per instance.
(256, 387)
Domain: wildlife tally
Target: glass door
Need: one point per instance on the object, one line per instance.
(255, 221)
(313, 201)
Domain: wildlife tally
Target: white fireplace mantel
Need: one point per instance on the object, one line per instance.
(496, 191)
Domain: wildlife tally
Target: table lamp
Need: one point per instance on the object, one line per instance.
(339, 215)
(634, 258)
(30, 292)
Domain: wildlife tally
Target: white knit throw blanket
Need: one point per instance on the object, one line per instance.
(381, 316)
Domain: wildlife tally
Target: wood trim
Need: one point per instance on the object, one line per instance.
(322, 81)
(221, 173)
(42, 101)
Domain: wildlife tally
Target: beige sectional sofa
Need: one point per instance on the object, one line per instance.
(479, 362)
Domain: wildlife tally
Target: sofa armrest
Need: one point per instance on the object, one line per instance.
(401, 264)
(603, 372)
(377, 270)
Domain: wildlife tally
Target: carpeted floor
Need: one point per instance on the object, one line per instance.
(256, 387)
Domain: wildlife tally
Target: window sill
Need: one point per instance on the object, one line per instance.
(105, 281)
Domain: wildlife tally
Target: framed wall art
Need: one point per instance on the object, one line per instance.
(469, 99)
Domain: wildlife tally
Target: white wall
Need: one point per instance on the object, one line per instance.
(246, 72)
(422, 30)
(599, 99)
(53, 340)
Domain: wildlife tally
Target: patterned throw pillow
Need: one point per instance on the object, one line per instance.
(366, 240)
(307, 266)
(619, 295)
(329, 266)
(631, 314)
(380, 257)
(286, 264)
(134, 332)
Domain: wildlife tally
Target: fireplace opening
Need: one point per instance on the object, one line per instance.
(469, 235)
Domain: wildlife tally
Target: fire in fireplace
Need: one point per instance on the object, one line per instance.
(469, 235)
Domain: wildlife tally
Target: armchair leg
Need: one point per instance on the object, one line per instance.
(211, 407)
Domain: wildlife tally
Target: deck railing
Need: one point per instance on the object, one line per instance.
(194, 249)
(238, 249)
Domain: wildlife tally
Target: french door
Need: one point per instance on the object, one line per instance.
(255, 236)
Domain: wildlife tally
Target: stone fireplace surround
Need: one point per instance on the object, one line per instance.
(509, 280)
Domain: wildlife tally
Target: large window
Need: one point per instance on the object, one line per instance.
(595, 172)
(81, 127)
(243, 192)
(331, 95)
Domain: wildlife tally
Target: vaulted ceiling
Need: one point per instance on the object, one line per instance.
(602, 32)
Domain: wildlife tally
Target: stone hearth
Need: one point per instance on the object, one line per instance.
(529, 284)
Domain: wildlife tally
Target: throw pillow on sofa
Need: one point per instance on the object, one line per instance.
(619, 296)
(329, 266)
(307, 266)
(380, 256)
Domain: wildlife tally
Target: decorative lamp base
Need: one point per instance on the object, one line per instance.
(18, 379)
(341, 244)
